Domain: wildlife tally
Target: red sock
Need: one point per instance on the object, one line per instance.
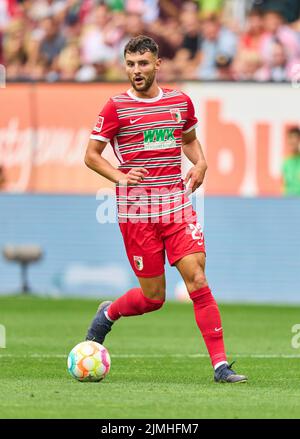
(132, 303)
(209, 322)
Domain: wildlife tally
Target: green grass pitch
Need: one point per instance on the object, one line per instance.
(159, 364)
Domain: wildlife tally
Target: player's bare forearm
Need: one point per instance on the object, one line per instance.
(99, 164)
(104, 168)
(192, 150)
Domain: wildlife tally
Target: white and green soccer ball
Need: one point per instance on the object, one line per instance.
(89, 361)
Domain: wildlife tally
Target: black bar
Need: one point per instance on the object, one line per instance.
(132, 428)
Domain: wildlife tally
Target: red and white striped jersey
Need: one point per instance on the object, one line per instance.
(148, 133)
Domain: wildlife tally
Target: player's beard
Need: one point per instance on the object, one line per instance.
(147, 83)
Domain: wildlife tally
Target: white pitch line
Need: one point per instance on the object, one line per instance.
(264, 356)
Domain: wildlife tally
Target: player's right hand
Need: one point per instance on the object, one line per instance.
(134, 176)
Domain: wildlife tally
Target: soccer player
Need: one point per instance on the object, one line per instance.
(291, 165)
(148, 127)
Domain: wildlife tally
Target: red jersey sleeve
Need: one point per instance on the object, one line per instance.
(191, 119)
(107, 124)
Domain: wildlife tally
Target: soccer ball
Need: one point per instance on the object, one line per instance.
(89, 361)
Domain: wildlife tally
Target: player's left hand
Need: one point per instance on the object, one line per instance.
(196, 176)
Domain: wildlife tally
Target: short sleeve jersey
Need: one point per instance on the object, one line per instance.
(148, 133)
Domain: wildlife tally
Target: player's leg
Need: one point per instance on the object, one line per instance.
(145, 252)
(137, 301)
(185, 247)
(207, 315)
(192, 270)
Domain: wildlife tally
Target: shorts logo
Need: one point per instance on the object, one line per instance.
(138, 262)
(176, 115)
(99, 124)
(197, 233)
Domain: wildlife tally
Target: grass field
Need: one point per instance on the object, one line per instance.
(159, 364)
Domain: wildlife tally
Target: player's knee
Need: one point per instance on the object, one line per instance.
(197, 280)
(154, 306)
(153, 301)
(156, 294)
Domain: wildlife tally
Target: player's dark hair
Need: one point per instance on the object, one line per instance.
(294, 131)
(141, 44)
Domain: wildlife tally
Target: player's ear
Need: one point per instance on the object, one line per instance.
(157, 64)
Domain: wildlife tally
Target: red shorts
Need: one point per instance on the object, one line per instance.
(146, 243)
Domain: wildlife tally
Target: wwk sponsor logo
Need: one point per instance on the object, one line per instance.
(159, 138)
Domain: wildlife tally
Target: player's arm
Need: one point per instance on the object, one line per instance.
(192, 150)
(94, 160)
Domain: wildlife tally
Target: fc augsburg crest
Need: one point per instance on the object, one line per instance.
(175, 113)
(138, 262)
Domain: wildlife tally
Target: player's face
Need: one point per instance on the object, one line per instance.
(141, 69)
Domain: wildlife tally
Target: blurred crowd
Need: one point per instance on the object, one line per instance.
(83, 40)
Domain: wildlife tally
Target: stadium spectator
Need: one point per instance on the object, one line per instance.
(251, 39)
(224, 67)
(235, 12)
(169, 9)
(277, 30)
(188, 55)
(52, 42)
(217, 41)
(68, 61)
(278, 68)
(191, 43)
(9, 9)
(246, 66)
(248, 59)
(2, 177)
(1, 51)
(289, 9)
(150, 11)
(14, 53)
(97, 51)
(92, 44)
(291, 165)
